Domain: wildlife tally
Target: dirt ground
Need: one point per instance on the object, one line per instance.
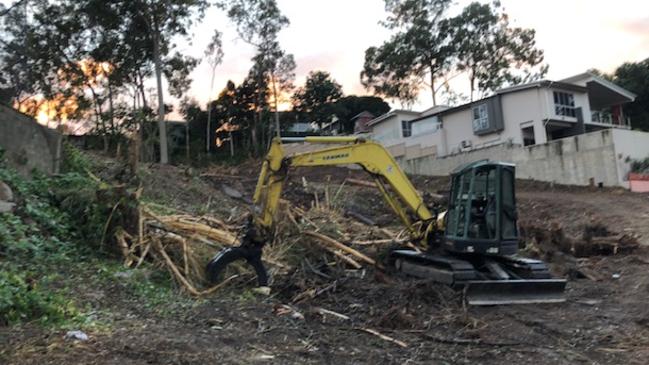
(605, 319)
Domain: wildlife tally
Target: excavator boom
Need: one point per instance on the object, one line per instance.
(394, 185)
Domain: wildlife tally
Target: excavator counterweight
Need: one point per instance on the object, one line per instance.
(472, 246)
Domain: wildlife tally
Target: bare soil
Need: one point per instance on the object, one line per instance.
(605, 319)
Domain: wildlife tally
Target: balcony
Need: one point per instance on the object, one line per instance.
(608, 119)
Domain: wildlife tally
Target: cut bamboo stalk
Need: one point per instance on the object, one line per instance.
(368, 184)
(341, 247)
(384, 337)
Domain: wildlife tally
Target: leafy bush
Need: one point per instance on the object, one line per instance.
(22, 300)
(74, 160)
(640, 166)
(35, 238)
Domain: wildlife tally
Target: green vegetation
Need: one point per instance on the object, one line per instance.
(32, 239)
(52, 237)
(640, 166)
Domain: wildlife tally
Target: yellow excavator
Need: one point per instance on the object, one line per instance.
(471, 246)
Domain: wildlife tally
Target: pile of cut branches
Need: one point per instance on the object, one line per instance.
(183, 244)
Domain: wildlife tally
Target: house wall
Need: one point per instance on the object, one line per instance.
(388, 132)
(578, 160)
(27, 144)
(523, 109)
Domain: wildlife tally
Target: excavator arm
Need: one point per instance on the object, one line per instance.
(391, 181)
(394, 185)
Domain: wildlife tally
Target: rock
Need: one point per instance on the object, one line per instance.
(231, 192)
(123, 274)
(6, 207)
(76, 336)
(6, 193)
(262, 290)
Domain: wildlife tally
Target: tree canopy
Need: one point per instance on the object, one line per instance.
(634, 76)
(429, 47)
(316, 98)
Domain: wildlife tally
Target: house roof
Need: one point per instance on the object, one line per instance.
(363, 114)
(512, 89)
(587, 77)
(385, 116)
(434, 110)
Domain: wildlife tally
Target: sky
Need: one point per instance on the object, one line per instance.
(333, 35)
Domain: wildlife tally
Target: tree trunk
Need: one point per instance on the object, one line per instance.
(231, 145)
(142, 153)
(100, 121)
(432, 87)
(111, 110)
(472, 81)
(208, 130)
(187, 140)
(208, 141)
(164, 157)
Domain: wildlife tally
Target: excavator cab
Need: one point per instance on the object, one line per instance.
(481, 216)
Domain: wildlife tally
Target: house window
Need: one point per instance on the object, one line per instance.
(528, 136)
(406, 128)
(480, 118)
(564, 104)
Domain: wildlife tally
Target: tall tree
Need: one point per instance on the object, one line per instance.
(316, 99)
(416, 56)
(635, 78)
(165, 19)
(214, 53)
(491, 52)
(258, 23)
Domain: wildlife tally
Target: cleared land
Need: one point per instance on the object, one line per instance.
(605, 319)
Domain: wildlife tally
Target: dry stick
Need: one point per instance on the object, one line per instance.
(340, 255)
(376, 242)
(144, 253)
(185, 261)
(219, 286)
(140, 225)
(213, 233)
(192, 290)
(121, 239)
(176, 272)
(368, 184)
(323, 311)
(292, 217)
(326, 192)
(341, 246)
(383, 337)
(110, 218)
(340, 188)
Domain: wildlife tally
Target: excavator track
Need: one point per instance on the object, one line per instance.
(485, 280)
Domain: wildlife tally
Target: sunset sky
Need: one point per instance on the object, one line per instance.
(332, 35)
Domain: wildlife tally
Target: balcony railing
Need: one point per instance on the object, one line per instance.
(597, 116)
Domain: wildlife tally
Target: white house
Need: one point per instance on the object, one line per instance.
(527, 114)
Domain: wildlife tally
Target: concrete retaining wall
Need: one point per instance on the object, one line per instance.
(28, 145)
(629, 145)
(580, 160)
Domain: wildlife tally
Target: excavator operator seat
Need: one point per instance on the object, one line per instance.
(482, 209)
